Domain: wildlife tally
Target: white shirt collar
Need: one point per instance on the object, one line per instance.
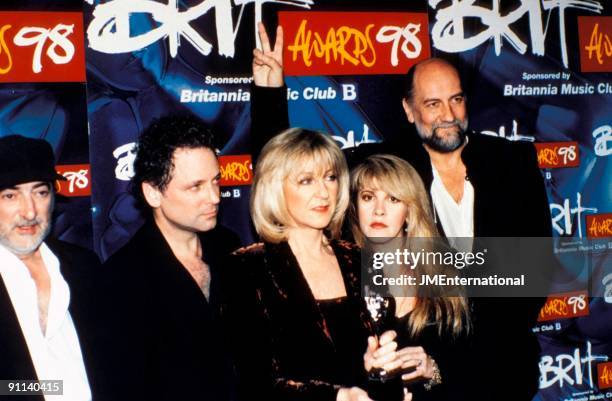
(57, 354)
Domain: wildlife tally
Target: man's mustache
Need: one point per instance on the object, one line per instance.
(455, 123)
(28, 223)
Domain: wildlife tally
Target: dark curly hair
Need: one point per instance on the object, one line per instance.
(157, 144)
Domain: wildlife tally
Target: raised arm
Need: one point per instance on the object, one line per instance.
(268, 61)
(269, 109)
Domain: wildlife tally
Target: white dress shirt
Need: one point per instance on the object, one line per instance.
(457, 219)
(56, 355)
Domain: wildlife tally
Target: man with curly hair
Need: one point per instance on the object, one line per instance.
(169, 347)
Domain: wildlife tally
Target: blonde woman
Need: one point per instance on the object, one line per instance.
(298, 323)
(389, 201)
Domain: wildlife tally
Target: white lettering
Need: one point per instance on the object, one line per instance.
(125, 155)
(394, 34)
(28, 36)
(568, 368)
(319, 94)
(448, 33)
(562, 216)
(110, 32)
(349, 141)
(292, 94)
(78, 178)
(603, 140)
(577, 302)
(514, 136)
(349, 92)
(607, 283)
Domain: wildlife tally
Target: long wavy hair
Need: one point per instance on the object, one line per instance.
(399, 179)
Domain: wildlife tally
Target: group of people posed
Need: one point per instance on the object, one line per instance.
(181, 312)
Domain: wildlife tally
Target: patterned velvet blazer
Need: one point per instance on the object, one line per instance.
(282, 346)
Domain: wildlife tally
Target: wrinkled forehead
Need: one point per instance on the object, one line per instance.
(436, 78)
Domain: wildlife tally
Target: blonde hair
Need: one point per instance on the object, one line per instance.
(285, 154)
(399, 179)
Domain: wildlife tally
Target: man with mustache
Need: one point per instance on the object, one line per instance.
(162, 294)
(45, 284)
(480, 186)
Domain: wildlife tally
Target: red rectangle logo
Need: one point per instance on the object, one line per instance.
(353, 43)
(42, 47)
(558, 154)
(595, 38)
(563, 306)
(236, 170)
(599, 225)
(78, 180)
(604, 375)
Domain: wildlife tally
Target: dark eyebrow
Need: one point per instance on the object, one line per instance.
(200, 182)
(435, 99)
(431, 99)
(195, 183)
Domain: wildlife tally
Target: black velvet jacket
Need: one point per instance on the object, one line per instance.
(282, 347)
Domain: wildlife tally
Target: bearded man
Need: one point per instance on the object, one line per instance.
(46, 286)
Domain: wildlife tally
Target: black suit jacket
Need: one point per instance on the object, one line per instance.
(79, 268)
(164, 342)
(509, 201)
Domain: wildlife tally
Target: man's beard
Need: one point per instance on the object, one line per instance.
(44, 223)
(444, 144)
(33, 243)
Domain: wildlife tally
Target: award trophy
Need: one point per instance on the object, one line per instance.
(382, 385)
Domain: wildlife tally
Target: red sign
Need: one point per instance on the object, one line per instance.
(78, 180)
(604, 375)
(599, 225)
(563, 306)
(595, 38)
(558, 154)
(236, 170)
(41, 47)
(353, 43)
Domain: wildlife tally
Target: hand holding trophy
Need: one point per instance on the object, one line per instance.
(381, 360)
